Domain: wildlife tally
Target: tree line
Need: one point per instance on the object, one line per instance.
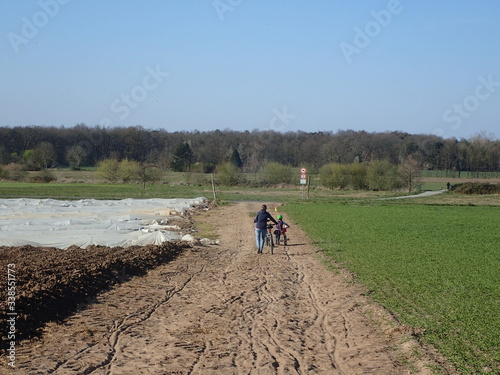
(39, 147)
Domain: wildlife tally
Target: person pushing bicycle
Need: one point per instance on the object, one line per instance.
(260, 221)
(280, 230)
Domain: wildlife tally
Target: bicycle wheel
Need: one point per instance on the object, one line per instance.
(285, 240)
(271, 244)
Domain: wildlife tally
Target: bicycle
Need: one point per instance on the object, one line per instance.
(282, 235)
(285, 239)
(269, 241)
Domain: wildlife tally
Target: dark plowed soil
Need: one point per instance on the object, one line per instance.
(51, 284)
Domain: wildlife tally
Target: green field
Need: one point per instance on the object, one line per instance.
(435, 267)
(97, 190)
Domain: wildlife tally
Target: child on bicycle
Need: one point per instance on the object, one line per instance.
(280, 229)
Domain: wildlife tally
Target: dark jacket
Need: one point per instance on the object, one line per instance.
(262, 218)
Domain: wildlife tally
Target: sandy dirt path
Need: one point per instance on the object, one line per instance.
(224, 309)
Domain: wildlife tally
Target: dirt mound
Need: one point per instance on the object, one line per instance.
(476, 188)
(51, 284)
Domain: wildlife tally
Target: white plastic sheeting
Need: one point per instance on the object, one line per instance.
(61, 224)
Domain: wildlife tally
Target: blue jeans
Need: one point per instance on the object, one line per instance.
(260, 237)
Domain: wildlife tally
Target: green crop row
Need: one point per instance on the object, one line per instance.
(435, 267)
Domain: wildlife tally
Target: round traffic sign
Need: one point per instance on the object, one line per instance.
(303, 170)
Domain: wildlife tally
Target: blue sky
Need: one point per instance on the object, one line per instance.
(420, 66)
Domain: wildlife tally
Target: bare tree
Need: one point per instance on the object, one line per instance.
(410, 171)
(75, 156)
(149, 174)
(44, 155)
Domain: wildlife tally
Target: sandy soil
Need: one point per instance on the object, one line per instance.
(224, 309)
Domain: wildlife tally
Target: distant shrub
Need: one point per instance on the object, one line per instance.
(4, 173)
(109, 169)
(228, 174)
(342, 176)
(476, 188)
(383, 175)
(334, 176)
(129, 170)
(276, 173)
(44, 176)
(358, 176)
(15, 172)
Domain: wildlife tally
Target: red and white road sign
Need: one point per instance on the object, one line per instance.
(303, 176)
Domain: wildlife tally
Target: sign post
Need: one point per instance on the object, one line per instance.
(303, 179)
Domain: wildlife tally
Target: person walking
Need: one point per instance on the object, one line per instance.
(260, 221)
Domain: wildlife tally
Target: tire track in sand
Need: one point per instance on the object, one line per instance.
(111, 349)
